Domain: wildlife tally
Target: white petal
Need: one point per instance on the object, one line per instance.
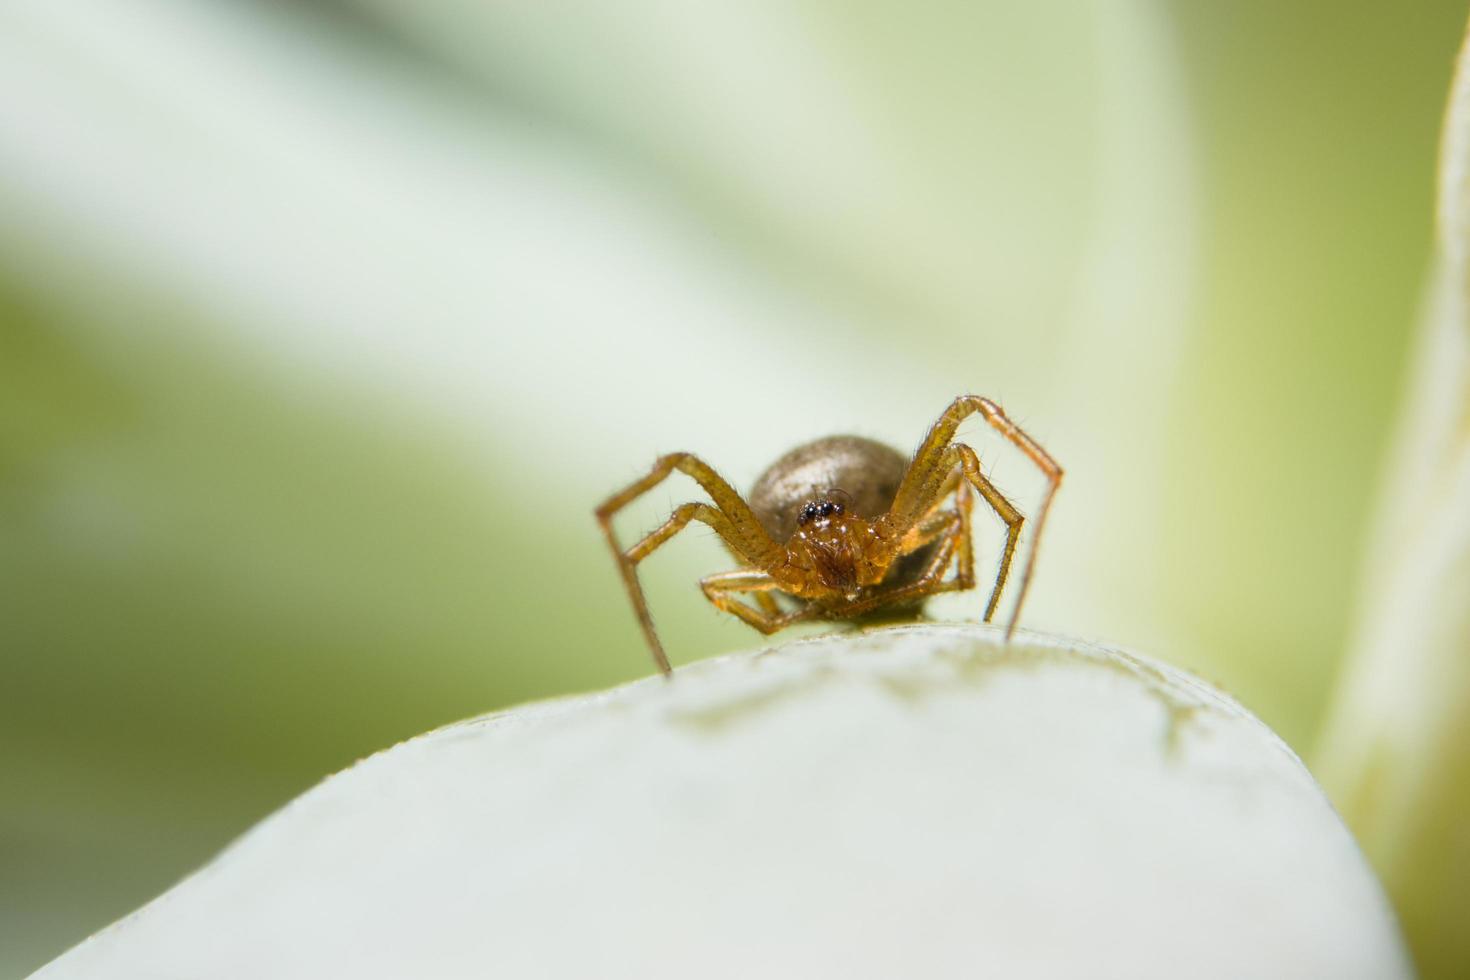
(923, 801)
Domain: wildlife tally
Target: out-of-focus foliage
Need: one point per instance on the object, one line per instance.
(1396, 751)
(323, 327)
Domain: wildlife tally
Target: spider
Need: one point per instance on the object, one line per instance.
(842, 527)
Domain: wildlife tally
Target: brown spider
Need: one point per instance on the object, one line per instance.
(843, 526)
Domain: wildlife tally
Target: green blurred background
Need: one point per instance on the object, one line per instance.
(323, 327)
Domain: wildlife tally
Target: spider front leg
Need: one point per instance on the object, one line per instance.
(933, 462)
(731, 518)
(937, 522)
(963, 467)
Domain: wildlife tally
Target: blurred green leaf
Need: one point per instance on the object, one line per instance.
(1396, 749)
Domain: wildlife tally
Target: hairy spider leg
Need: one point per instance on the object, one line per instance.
(1013, 518)
(918, 535)
(731, 518)
(630, 559)
(965, 559)
(767, 603)
(927, 473)
(722, 588)
(763, 598)
(964, 466)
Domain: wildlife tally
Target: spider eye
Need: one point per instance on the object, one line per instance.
(827, 508)
(807, 513)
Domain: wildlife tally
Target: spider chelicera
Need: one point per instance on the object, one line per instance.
(843, 526)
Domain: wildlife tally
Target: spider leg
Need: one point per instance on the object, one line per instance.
(764, 600)
(628, 561)
(721, 589)
(937, 522)
(965, 559)
(928, 471)
(768, 603)
(964, 466)
(731, 518)
(1008, 513)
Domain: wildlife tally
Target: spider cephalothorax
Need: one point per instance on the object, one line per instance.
(843, 526)
(832, 555)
